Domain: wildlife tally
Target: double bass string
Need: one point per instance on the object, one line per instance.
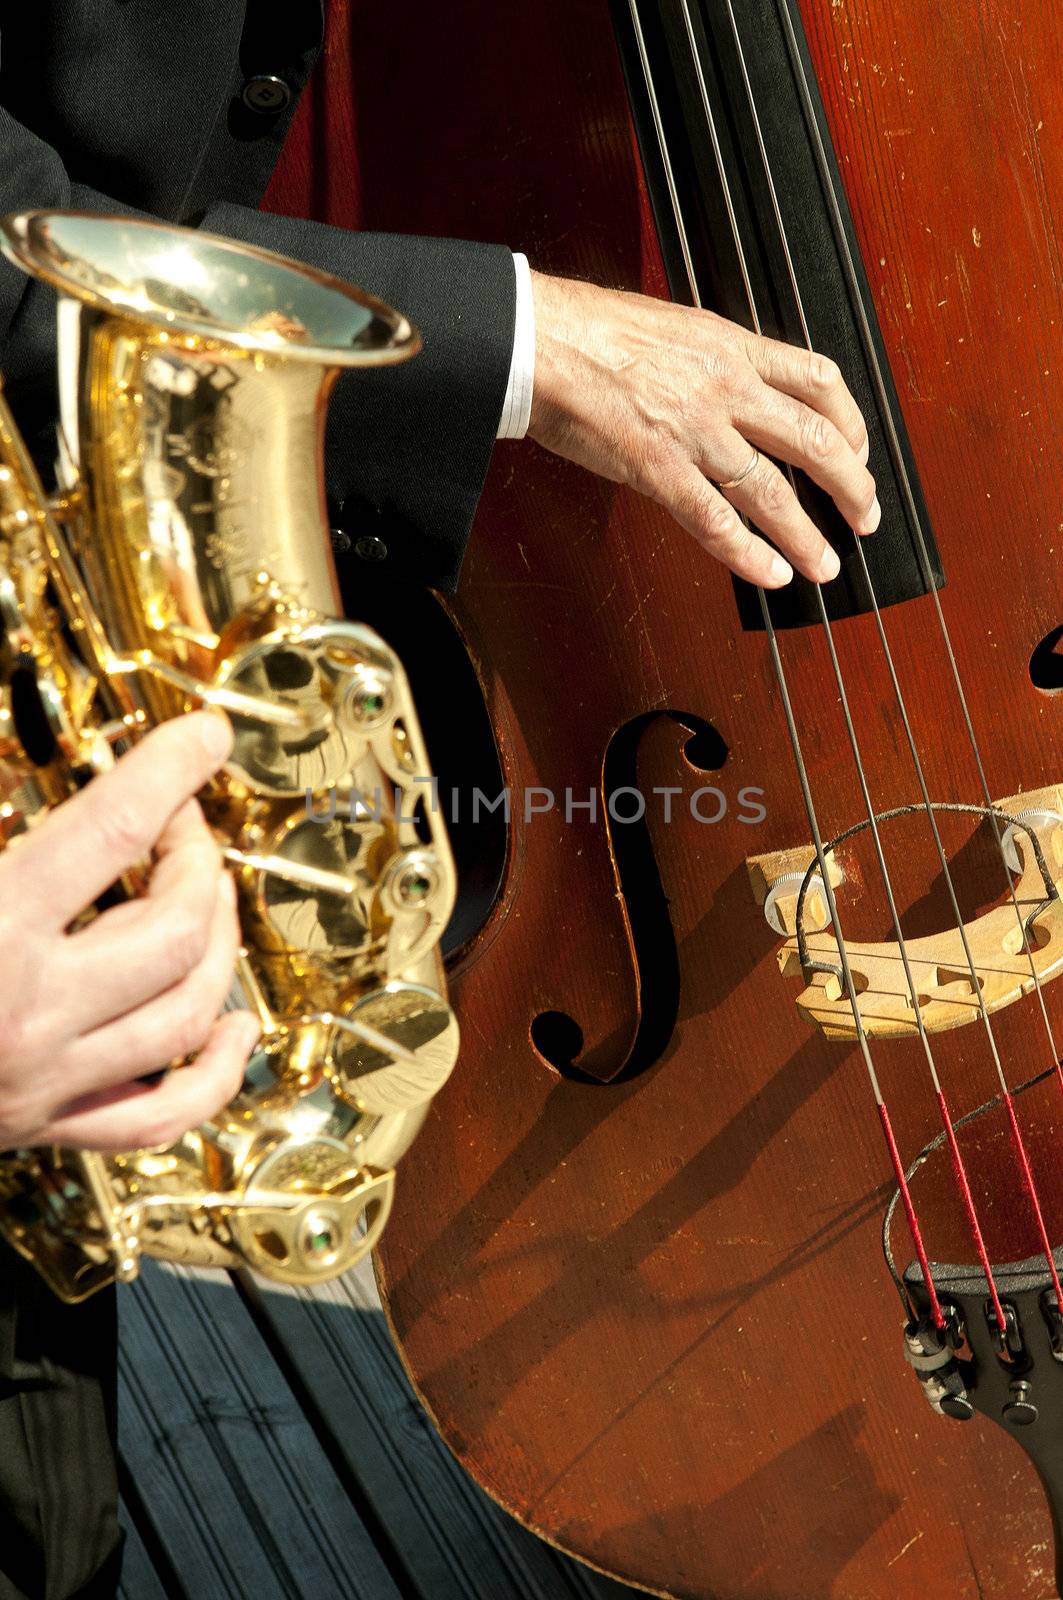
(958, 1167)
(899, 464)
(1019, 1144)
(900, 467)
(850, 988)
(959, 1170)
(795, 742)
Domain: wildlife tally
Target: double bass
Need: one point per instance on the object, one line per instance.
(731, 1256)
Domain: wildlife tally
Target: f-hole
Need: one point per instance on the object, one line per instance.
(557, 1037)
(559, 1040)
(1046, 663)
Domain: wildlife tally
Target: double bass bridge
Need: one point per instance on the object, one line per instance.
(991, 960)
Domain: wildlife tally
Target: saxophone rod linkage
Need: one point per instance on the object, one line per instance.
(379, 1041)
(299, 872)
(273, 712)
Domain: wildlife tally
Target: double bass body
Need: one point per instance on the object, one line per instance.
(635, 1271)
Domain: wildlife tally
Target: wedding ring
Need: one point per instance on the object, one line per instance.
(732, 483)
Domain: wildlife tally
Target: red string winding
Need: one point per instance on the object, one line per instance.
(913, 1221)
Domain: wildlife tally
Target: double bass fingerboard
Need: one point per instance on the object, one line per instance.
(751, 212)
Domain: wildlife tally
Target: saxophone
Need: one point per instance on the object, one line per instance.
(186, 563)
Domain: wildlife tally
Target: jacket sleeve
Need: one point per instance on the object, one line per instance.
(408, 446)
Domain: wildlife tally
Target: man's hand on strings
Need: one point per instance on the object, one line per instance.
(675, 401)
(84, 1014)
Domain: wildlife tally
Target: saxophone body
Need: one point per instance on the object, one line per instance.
(186, 563)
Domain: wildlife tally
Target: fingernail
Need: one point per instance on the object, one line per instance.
(217, 735)
(873, 518)
(830, 566)
(865, 450)
(781, 570)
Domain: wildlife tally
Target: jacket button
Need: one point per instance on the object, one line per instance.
(266, 94)
(370, 548)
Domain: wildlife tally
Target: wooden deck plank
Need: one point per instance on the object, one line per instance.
(240, 1493)
(139, 1579)
(453, 1540)
(272, 1447)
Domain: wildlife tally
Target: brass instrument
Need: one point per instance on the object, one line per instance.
(187, 563)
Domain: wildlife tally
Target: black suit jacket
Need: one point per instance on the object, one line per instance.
(143, 105)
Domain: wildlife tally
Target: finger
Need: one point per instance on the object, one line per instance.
(172, 1025)
(144, 1116)
(794, 432)
(137, 950)
(813, 378)
(702, 510)
(89, 841)
(764, 495)
(187, 831)
(768, 499)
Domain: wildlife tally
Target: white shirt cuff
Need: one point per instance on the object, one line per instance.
(516, 412)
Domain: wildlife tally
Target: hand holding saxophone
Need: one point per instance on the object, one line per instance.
(83, 1014)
